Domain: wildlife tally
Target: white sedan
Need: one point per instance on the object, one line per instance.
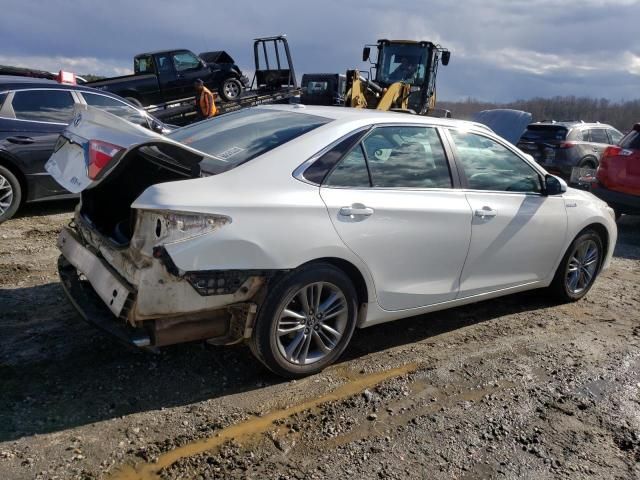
(287, 227)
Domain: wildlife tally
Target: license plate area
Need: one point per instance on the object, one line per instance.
(113, 291)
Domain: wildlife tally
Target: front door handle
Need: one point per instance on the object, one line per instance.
(486, 212)
(356, 210)
(19, 139)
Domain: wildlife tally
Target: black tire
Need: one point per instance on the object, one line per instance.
(134, 101)
(231, 89)
(266, 344)
(560, 286)
(10, 194)
(589, 162)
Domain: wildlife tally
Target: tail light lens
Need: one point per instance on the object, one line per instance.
(100, 155)
(567, 145)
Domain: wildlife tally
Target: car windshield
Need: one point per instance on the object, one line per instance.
(544, 133)
(402, 63)
(238, 137)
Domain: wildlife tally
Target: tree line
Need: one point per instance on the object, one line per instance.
(620, 114)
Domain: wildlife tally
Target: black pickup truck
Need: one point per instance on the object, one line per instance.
(166, 76)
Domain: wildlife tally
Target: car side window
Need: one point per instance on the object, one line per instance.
(585, 135)
(489, 165)
(406, 157)
(599, 135)
(43, 105)
(351, 171)
(185, 61)
(144, 64)
(115, 107)
(614, 136)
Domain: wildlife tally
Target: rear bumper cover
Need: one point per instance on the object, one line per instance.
(621, 202)
(93, 310)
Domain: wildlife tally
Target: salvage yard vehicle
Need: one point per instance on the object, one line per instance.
(323, 89)
(168, 75)
(404, 79)
(33, 113)
(618, 176)
(287, 227)
(561, 146)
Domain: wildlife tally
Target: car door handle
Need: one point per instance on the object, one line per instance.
(20, 140)
(356, 210)
(486, 212)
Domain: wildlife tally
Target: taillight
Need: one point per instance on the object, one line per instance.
(611, 151)
(567, 145)
(100, 154)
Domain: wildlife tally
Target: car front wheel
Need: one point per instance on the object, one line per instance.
(579, 267)
(10, 194)
(306, 321)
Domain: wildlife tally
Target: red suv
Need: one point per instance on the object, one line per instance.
(618, 176)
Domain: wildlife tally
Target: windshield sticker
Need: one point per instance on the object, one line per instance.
(228, 153)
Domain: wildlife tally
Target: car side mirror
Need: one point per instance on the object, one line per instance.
(554, 185)
(446, 56)
(366, 53)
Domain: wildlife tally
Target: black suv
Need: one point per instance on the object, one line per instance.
(33, 113)
(560, 146)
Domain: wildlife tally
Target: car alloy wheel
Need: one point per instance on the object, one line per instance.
(582, 266)
(312, 323)
(231, 89)
(6, 195)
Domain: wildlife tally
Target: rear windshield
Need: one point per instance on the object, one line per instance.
(631, 140)
(544, 133)
(238, 137)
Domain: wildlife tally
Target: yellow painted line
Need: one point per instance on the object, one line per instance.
(253, 426)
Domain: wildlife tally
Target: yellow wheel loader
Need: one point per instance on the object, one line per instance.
(402, 78)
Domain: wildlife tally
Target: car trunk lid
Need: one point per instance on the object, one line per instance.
(91, 146)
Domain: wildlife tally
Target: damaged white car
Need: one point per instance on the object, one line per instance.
(287, 227)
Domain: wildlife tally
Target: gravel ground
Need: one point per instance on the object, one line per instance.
(511, 388)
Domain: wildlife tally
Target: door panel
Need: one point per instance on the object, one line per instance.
(519, 245)
(414, 242)
(517, 232)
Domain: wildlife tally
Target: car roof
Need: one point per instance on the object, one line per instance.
(571, 124)
(160, 52)
(378, 116)
(11, 82)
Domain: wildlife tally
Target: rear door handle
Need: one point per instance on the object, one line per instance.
(20, 140)
(356, 210)
(486, 212)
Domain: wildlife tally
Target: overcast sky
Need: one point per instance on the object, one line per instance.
(502, 50)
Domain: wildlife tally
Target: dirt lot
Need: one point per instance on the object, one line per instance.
(512, 388)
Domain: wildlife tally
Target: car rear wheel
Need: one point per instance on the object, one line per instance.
(579, 267)
(231, 89)
(306, 321)
(10, 194)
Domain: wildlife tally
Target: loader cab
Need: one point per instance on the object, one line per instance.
(411, 62)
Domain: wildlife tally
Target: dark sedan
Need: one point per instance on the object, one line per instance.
(33, 113)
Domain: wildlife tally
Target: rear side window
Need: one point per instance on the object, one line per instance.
(238, 137)
(599, 135)
(631, 140)
(143, 64)
(351, 171)
(406, 157)
(115, 107)
(43, 105)
(543, 133)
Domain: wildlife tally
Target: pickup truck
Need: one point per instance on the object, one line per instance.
(166, 76)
